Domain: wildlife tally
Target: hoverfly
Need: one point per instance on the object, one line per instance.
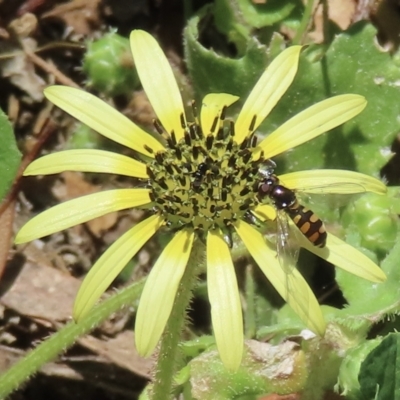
(290, 212)
(309, 224)
(287, 206)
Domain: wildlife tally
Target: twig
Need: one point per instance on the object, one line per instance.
(51, 69)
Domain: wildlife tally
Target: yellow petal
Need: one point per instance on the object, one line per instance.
(347, 257)
(158, 81)
(101, 117)
(264, 212)
(87, 161)
(332, 181)
(159, 292)
(111, 263)
(313, 121)
(82, 209)
(226, 310)
(291, 286)
(211, 108)
(271, 86)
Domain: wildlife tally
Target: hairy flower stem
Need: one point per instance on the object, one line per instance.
(168, 359)
(250, 318)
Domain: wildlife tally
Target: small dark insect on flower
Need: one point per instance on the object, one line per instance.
(199, 175)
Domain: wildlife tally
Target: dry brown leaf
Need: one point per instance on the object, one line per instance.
(8, 357)
(20, 70)
(100, 225)
(24, 26)
(78, 15)
(121, 351)
(140, 110)
(341, 12)
(75, 186)
(39, 292)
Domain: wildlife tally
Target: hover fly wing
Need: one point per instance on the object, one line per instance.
(288, 248)
(292, 287)
(335, 195)
(287, 243)
(345, 188)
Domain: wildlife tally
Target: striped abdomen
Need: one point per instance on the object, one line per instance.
(308, 222)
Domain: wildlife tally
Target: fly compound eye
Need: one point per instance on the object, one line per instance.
(265, 188)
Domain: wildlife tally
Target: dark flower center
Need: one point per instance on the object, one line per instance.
(205, 181)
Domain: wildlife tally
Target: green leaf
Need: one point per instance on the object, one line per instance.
(382, 298)
(380, 373)
(10, 156)
(352, 64)
(238, 19)
(373, 74)
(260, 15)
(211, 72)
(350, 368)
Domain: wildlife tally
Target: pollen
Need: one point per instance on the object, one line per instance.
(206, 180)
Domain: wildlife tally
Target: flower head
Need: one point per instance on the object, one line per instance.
(202, 180)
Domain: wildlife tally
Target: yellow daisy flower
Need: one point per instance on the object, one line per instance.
(201, 182)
